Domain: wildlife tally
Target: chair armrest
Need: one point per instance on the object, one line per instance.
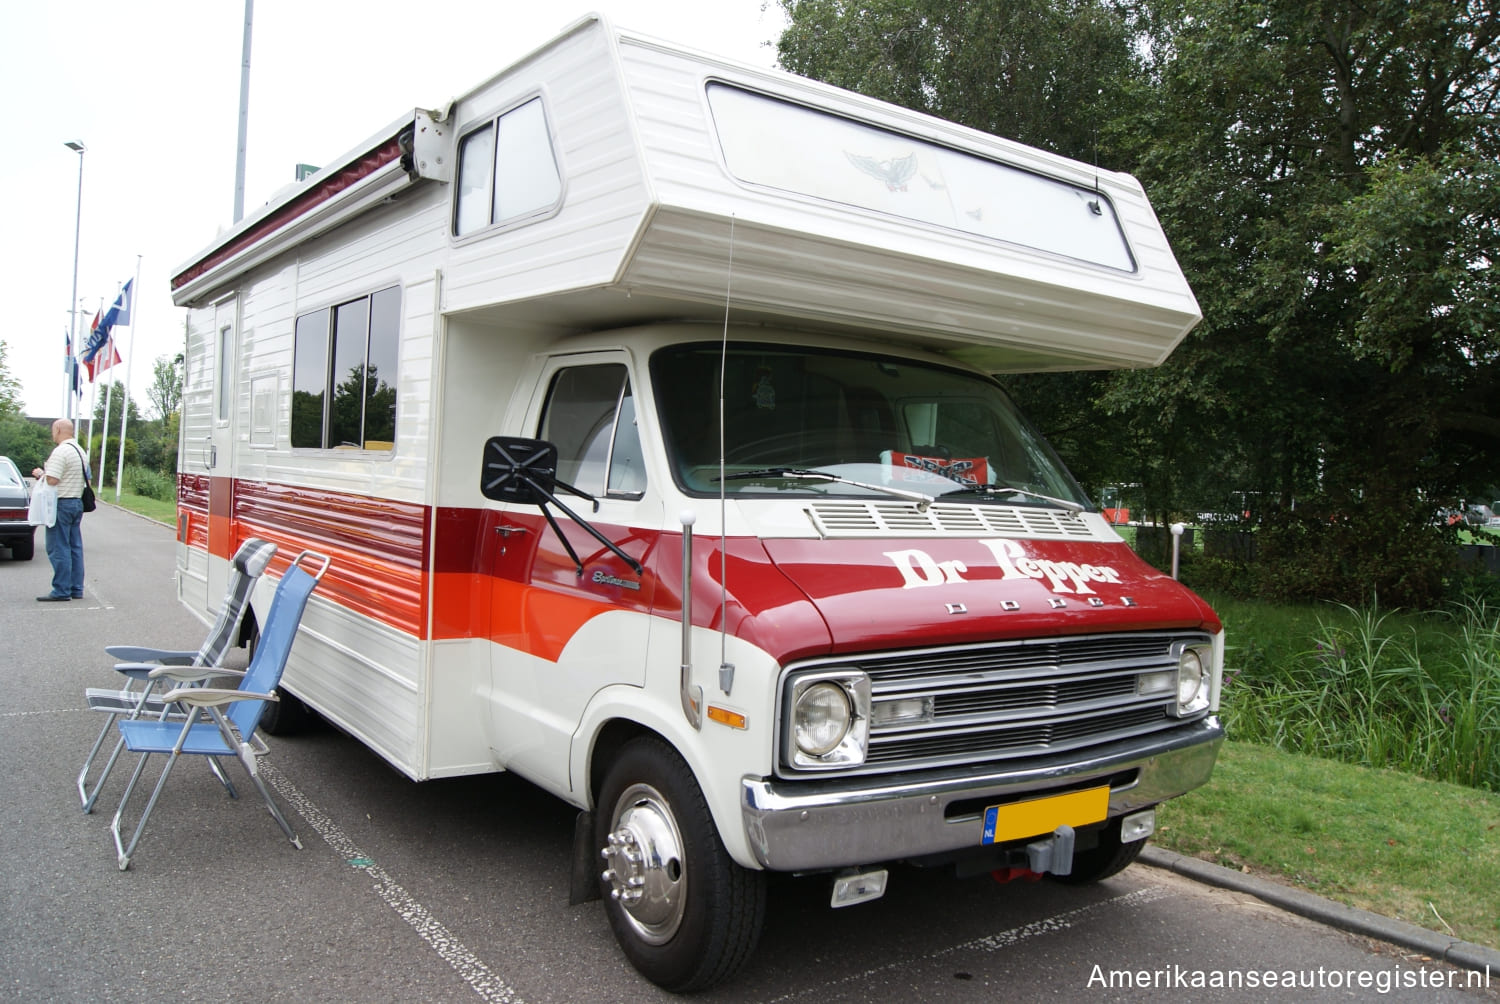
(204, 697)
(192, 674)
(160, 656)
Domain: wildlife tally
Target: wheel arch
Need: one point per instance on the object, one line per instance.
(718, 754)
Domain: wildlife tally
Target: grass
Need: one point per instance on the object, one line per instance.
(1400, 846)
(162, 512)
(1380, 839)
(1418, 692)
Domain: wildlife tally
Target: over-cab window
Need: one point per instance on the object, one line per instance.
(344, 374)
(506, 170)
(590, 417)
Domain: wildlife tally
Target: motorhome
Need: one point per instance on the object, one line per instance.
(646, 403)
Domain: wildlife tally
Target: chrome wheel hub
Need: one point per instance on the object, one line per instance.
(644, 866)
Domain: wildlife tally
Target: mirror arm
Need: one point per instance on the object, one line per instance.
(613, 547)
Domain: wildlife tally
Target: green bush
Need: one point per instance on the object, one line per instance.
(151, 484)
(24, 442)
(1353, 551)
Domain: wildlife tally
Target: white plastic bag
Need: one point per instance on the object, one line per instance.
(43, 511)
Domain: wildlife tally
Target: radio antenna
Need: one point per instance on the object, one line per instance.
(726, 671)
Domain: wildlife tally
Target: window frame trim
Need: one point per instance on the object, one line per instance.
(493, 227)
(330, 312)
(555, 365)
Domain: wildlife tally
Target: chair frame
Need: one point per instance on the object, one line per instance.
(248, 564)
(209, 729)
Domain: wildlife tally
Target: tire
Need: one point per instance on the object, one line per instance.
(1109, 858)
(286, 716)
(685, 914)
(22, 548)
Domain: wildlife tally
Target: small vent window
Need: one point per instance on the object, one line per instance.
(507, 170)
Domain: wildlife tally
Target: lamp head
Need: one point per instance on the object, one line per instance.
(75, 145)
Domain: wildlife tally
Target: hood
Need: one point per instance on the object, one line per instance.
(877, 594)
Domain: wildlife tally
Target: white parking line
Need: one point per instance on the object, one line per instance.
(464, 962)
(995, 942)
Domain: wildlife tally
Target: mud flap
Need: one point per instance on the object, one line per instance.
(583, 880)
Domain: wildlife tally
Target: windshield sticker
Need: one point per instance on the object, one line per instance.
(919, 569)
(764, 392)
(974, 471)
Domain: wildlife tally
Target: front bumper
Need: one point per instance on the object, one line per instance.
(818, 825)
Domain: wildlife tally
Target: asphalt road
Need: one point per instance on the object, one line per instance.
(457, 890)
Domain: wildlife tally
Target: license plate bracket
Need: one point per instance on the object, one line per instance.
(1038, 816)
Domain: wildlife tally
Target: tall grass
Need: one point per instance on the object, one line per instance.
(1379, 690)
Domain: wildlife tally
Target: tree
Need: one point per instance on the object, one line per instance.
(10, 387)
(115, 397)
(24, 442)
(1325, 172)
(1322, 170)
(1044, 72)
(165, 392)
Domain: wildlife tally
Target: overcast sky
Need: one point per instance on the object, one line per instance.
(152, 90)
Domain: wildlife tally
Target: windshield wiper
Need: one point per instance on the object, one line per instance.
(805, 474)
(994, 489)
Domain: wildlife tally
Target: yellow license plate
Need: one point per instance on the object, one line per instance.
(1039, 816)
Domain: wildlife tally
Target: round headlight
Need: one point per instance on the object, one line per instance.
(1189, 677)
(822, 716)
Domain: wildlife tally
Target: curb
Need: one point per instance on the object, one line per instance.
(1313, 907)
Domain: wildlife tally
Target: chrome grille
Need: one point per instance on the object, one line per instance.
(1016, 699)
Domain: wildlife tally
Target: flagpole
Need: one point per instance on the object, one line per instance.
(107, 353)
(93, 387)
(77, 147)
(130, 312)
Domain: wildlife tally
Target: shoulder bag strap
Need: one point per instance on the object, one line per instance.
(83, 460)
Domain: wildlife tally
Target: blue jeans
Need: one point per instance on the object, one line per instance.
(65, 549)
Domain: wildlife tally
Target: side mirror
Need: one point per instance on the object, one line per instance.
(518, 470)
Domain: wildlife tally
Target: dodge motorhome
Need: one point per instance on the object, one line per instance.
(645, 401)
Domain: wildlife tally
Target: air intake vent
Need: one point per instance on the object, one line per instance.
(847, 518)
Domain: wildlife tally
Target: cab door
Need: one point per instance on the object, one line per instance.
(566, 625)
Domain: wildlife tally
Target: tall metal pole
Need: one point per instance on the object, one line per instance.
(135, 289)
(77, 147)
(239, 160)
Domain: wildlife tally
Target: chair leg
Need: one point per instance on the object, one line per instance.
(247, 757)
(124, 850)
(218, 769)
(84, 795)
(88, 797)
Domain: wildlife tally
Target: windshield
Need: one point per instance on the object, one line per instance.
(883, 422)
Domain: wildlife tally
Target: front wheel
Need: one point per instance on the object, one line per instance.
(685, 914)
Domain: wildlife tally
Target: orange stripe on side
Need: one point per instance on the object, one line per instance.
(538, 620)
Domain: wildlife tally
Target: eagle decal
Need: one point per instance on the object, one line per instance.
(895, 172)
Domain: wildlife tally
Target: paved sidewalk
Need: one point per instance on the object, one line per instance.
(1303, 903)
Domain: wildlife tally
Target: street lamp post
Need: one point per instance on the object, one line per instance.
(77, 147)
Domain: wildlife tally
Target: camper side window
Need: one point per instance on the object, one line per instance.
(344, 374)
(590, 417)
(506, 170)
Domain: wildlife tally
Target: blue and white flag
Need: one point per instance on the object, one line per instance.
(118, 313)
(93, 343)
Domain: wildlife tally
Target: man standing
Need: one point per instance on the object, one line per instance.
(66, 471)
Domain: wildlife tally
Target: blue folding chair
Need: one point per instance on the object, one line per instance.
(139, 697)
(211, 731)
